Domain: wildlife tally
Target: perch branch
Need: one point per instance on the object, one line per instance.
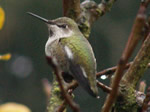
(130, 46)
(62, 107)
(73, 85)
(56, 98)
(65, 94)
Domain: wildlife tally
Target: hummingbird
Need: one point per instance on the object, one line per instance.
(70, 51)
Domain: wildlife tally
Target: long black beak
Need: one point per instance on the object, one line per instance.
(40, 18)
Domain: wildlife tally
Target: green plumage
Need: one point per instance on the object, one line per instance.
(82, 55)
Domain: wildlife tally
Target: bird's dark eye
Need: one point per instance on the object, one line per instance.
(63, 26)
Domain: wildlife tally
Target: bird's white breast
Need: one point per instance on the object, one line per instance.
(58, 34)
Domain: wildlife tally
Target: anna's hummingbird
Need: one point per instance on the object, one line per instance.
(71, 52)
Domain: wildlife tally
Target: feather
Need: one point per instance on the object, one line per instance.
(78, 74)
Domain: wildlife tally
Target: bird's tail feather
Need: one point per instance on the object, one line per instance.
(77, 73)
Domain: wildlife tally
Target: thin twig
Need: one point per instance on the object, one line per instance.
(146, 101)
(65, 94)
(104, 87)
(130, 46)
(62, 107)
(73, 85)
(109, 71)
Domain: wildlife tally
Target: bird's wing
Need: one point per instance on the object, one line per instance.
(78, 74)
(81, 62)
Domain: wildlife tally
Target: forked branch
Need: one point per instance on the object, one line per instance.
(134, 37)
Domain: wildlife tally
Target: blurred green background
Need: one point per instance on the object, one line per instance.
(25, 37)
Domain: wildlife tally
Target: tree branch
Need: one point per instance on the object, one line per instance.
(104, 87)
(71, 8)
(56, 98)
(62, 107)
(139, 64)
(90, 12)
(65, 94)
(131, 78)
(109, 71)
(106, 6)
(134, 37)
